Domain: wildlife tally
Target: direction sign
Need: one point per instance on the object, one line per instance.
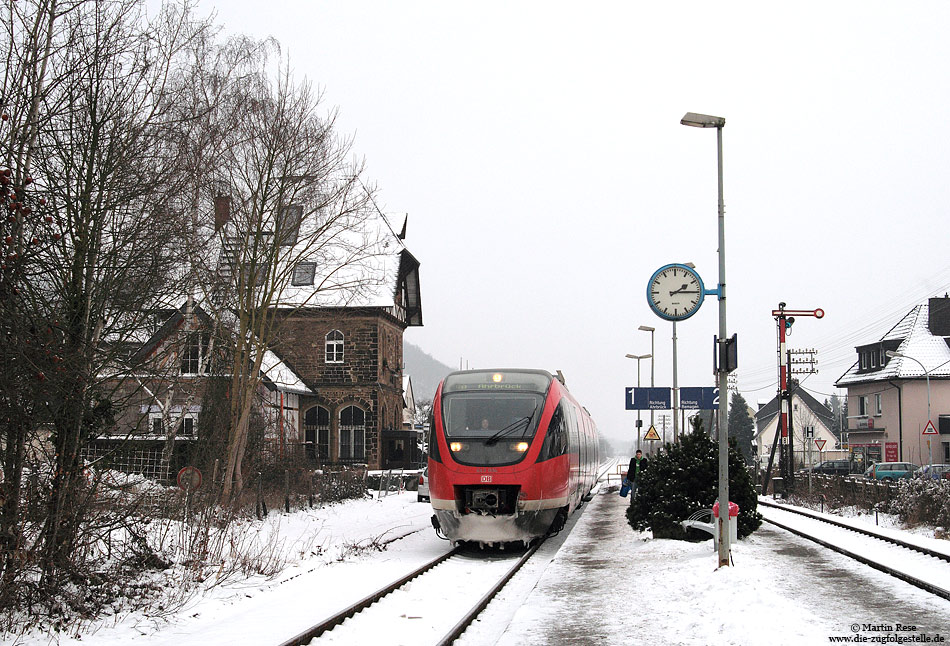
(930, 429)
(652, 434)
(820, 444)
(648, 398)
(704, 398)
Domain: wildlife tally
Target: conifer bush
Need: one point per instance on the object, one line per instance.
(683, 479)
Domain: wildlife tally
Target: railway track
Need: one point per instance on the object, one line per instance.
(430, 605)
(890, 556)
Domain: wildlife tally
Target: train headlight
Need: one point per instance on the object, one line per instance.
(520, 447)
(455, 447)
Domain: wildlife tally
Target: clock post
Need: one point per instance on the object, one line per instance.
(722, 370)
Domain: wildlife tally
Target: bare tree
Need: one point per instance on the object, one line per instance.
(294, 222)
(93, 93)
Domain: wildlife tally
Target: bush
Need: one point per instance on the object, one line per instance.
(922, 501)
(683, 479)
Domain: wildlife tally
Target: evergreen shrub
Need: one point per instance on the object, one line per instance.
(683, 479)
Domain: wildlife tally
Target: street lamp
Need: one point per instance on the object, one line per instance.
(722, 373)
(892, 354)
(647, 328)
(638, 357)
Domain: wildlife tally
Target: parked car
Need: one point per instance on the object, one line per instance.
(422, 494)
(934, 471)
(831, 468)
(891, 470)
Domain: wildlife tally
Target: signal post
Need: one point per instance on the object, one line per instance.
(784, 319)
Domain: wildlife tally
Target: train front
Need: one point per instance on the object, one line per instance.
(487, 483)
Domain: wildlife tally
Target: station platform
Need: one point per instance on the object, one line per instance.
(608, 584)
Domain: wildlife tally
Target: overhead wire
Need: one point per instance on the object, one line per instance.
(836, 349)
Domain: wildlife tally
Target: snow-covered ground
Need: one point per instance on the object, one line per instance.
(597, 583)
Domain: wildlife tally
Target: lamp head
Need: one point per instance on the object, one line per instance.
(697, 120)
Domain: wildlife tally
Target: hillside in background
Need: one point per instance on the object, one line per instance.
(425, 371)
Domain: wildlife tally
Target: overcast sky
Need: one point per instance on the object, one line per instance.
(537, 149)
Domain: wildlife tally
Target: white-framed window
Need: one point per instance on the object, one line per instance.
(877, 404)
(189, 425)
(193, 351)
(334, 351)
(304, 273)
(862, 405)
(352, 433)
(158, 426)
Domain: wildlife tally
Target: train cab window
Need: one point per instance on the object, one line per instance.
(496, 415)
(556, 437)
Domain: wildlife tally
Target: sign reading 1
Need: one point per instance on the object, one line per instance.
(675, 292)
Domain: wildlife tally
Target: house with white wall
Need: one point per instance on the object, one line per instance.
(809, 421)
(897, 382)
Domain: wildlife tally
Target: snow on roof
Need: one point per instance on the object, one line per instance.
(916, 341)
(357, 268)
(281, 375)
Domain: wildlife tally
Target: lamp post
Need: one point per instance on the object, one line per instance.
(722, 372)
(638, 357)
(892, 354)
(647, 328)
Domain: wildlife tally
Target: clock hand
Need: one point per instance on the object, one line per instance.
(679, 290)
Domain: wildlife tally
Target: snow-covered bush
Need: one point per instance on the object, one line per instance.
(922, 501)
(684, 479)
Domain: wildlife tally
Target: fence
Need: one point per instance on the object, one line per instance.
(837, 491)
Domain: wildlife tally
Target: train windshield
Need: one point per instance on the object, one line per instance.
(491, 416)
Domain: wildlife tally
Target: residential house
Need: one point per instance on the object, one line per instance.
(890, 396)
(809, 420)
(332, 380)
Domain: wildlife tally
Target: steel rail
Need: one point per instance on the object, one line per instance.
(860, 530)
(328, 624)
(914, 581)
(467, 620)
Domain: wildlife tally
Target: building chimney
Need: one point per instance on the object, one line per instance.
(939, 316)
(222, 211)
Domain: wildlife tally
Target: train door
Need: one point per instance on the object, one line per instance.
(575, 455)
(585, 453)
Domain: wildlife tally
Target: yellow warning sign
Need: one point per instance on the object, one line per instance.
(651, 434)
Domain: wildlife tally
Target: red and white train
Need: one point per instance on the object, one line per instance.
(511, 455)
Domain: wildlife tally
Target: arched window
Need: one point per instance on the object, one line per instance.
(334, 347)
(316, 425)
(352, 433)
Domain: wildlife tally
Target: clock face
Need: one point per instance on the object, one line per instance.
(675, 292)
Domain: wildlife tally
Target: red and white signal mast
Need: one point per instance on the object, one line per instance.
(784, 319)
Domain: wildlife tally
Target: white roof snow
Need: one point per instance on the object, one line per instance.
(916, 341)
(282, 376)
